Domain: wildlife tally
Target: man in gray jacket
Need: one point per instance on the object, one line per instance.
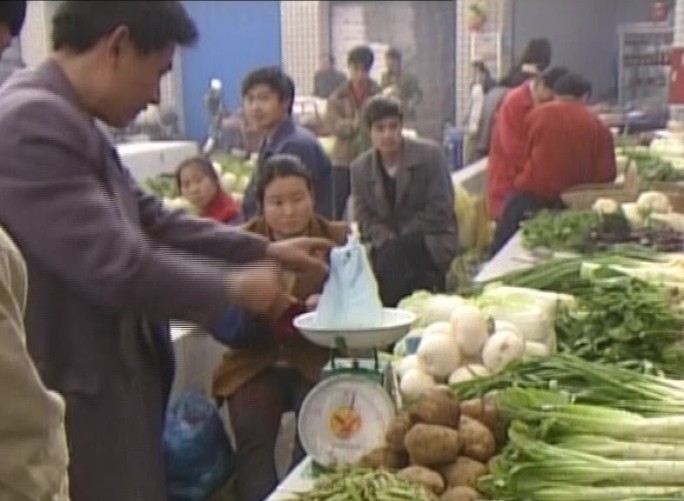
(404, 203)
(107, 263)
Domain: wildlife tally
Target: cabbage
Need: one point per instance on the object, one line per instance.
(430, 308)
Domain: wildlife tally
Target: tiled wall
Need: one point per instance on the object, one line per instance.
(304, 37)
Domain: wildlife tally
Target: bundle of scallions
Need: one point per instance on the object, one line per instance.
(564, 451)
(585, 382)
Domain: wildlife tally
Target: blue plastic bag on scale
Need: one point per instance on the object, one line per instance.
(350, 298)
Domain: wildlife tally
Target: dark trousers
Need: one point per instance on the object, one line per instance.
(255, 412)
(341, 190)
(404, 265)
(518, 207)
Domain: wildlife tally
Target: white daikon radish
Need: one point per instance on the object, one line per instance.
(533, 349)
(502, 348)
(416, 383)
(438, 328)
(470, 329)
(408, 363)
(468, 372)
(439, 354)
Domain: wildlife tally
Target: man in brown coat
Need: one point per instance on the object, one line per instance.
(107, 263)
(343, 115)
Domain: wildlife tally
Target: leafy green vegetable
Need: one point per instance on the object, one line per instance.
(624, 321)
(564, 230)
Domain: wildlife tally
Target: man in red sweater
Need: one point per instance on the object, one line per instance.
(566, 145)
(507, 152)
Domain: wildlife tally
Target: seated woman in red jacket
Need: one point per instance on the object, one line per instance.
(567, 145)
(269, 369)
(198, 182)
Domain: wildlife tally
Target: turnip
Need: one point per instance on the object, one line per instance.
(438, 328)
(439, 354)
(504, 325)
(408, 363)
(467, 373)
(501, 349)
(416, 383)
(470, 329)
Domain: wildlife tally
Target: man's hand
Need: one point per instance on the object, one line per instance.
(260, 289)
(301, 254)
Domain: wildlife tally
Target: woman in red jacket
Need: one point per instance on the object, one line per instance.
(198, 182)
(507, 153)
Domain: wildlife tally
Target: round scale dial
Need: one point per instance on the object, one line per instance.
(343, 418)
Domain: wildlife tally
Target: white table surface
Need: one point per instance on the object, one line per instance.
(149, 158)
(299, 480)
(511, 257)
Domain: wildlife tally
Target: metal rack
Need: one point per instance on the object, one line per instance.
(644, 64)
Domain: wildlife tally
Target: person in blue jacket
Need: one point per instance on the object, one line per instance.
(268, 95)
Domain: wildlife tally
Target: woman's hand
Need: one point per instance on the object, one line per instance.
(311, 302)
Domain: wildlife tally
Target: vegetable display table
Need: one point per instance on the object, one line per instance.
(511, 257)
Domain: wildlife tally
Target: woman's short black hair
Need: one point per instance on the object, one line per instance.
(154, 26)
(380, 107)
(537, 52)
(13, 14)
(362, 56)
(552, 75)
(273, 77)
(281, 165)
(203, 163)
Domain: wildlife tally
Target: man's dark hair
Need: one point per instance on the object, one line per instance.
(395, 54)
(281, 165)
(154, 26)
(380, 107)
(552, 75)
(13, 14)
(572, 85)
(276, 79)
(362, 56)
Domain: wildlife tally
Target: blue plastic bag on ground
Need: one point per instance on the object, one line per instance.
(350, 297)
(199, 456)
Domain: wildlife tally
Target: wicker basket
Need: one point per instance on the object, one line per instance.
(582, 197)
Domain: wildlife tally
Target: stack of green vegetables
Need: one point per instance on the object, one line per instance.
(559, 450)
(617, 318)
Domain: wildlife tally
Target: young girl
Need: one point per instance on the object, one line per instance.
(199, 183)
(270, 368)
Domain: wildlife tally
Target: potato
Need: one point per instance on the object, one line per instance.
(486, 412)
(385, 457)
(461, 493)
(425, 477)
(483, 410)
(477, 441)
(430, 445)
(396, 433)
(463, 472)
(439, 407)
